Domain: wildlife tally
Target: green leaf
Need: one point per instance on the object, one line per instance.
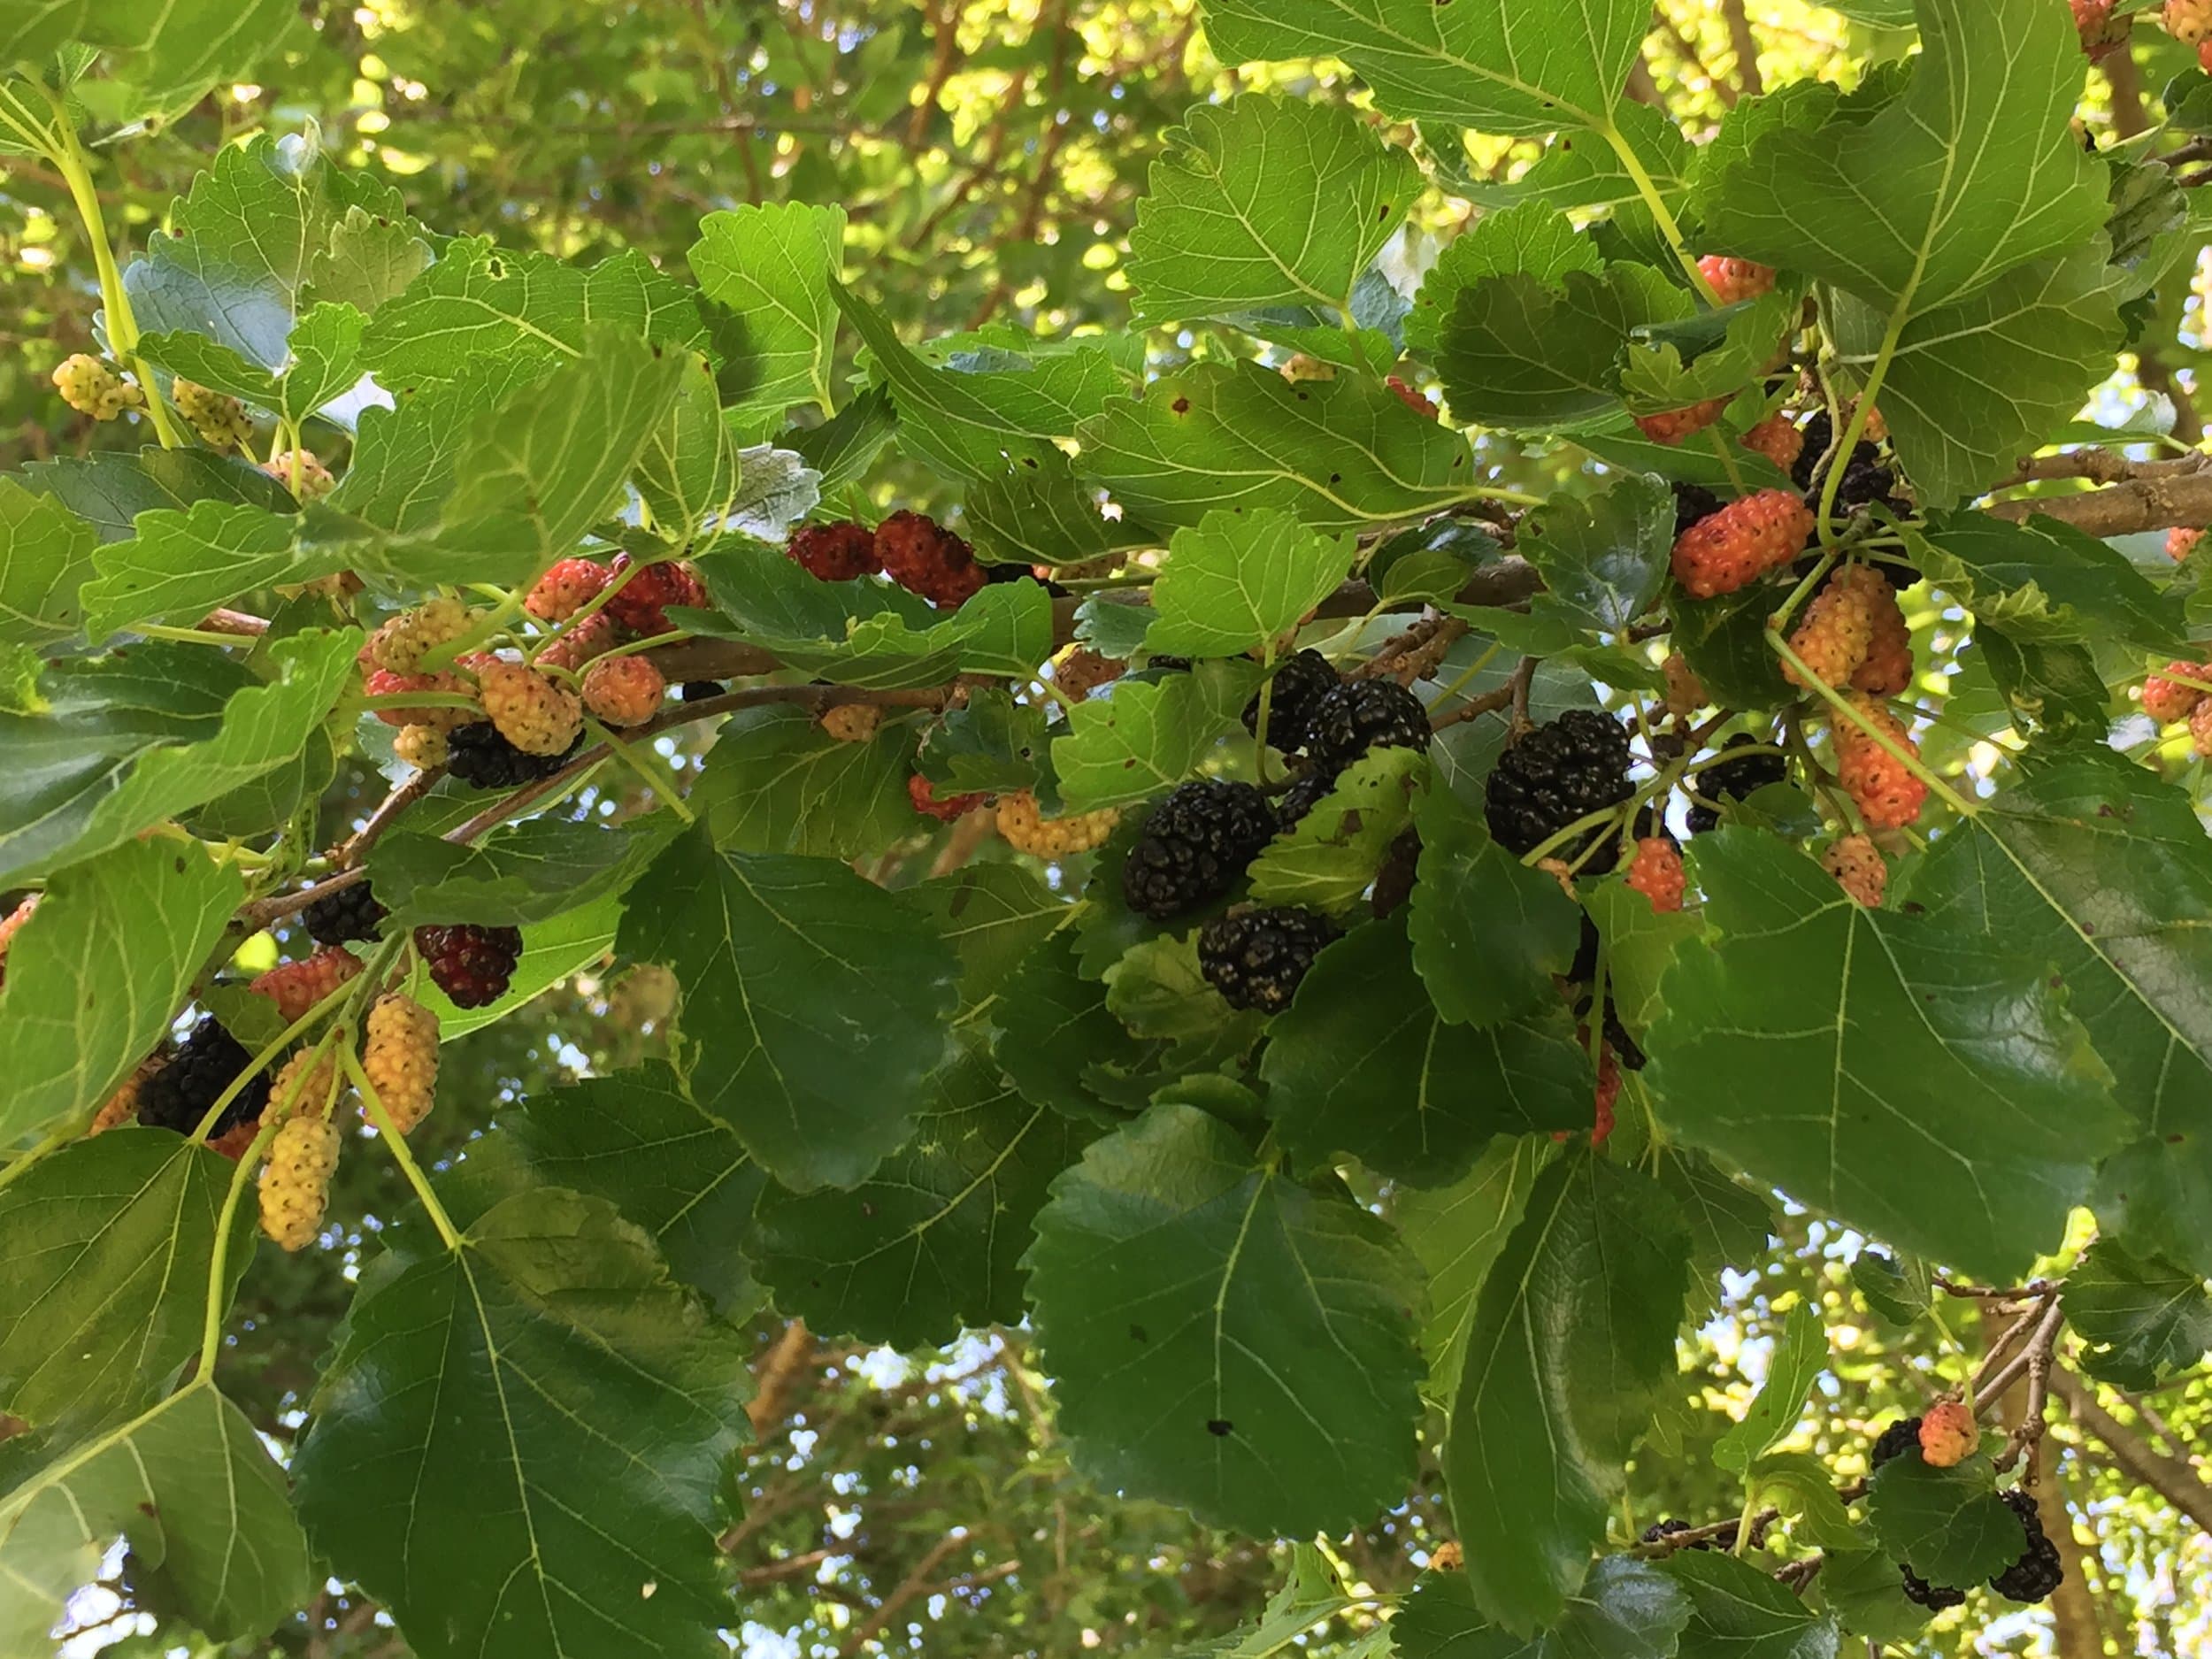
(931, 1244)
(1980, 382)
(2044, 580)
(776, 782)
(1521, 354)
(1340, 455)
(1060, 1043)
(992, 744)
(550, 459)
(1329, 858)
(1572, 1337)
(1223, 1338)
(2053, 870)
(1147, 735)
(636, 1140)
(1800, 1355)
(111, 1240)
(111, 759)
(1729, 1223)
(1480, 64)
(1971, 173)
(1802, 1488)
(111, 488)
(1724, 641)
(1899, 1293)
(370, 258)
(1531, 240)
(868, 634)
(1603, 559)
(478, 301)
(487, 1408)
(183, 564)
(1039, 513)
(1623, 1608)
(973, 421)
(1881, 1032)
(2144, 1318)
(1312, 1593)
(1457, 1231)
(1738, 1610)
(222, 292)
(1362, 1063)
(95, 976)
(992, 916)
(814, 1002)
(1488, 932)
(842, 448)
(687, 473)
(1864, 1587)
(1265, 200)
(189, 1484)
(45, 558)
(1576, 172)
(774, 264)
(1676, 360)
(405, 458)
(1946, 1524)
(517, 875)
(1236, 581)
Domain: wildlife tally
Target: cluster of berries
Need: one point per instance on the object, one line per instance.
(221, 420)
(1315, 712)
(2177, 694)
(913, 550)
(2188, 21)
(91, 388)
(1944, 1438)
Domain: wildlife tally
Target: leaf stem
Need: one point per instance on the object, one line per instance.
(1840, 453)
(192, 636)
(656, 776)
(75, 167)
(219, 1256)
(373, 1105)
(1633, 165)
(1834, 699)
(261, 1062)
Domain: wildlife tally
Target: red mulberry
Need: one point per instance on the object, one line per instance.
(839, 552)
(2165, 699)
(926, 802)
(473, 965)
(641, 604)
(1778, 439)
(1735, 280)
(582, 642)
(1410, 398)
(925, 558)
(297, 987)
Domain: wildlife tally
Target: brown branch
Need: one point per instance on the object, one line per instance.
(2039, 1338)
(237, 622)
(778, 1375)
(405, 795)
(1746, 45)
(1475, 708)
(2143, 504)
(2129, 117)
(2171, 1478)
(908, 1587)
(2099, 466)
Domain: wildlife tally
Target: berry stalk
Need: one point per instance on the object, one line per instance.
(218, 1257)
(372, 1105)
(1835, 700)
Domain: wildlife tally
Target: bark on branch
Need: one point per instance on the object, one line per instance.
(2141, 503)
(2172, 1479)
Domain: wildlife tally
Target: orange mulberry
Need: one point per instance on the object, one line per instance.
(2166, 699)
(1887, 669)
(1734, 547)
(1832, 638)
(948, 808)
(1779, 439)
(623, 690)
(1949, 1434)
(853, 722)
(1886, 792)
(840, 552)
(2180, 543)
(1674, 425)
(582, 642)
(1655, 871)
(564, 589)
(1857, 864)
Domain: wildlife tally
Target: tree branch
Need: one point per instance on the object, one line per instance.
(907, 1589)
(2172, 1479)
(2141, 503)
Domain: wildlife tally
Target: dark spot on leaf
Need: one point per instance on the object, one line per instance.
(1336, 478)
(1182, 405)
(1384, 217)
(1915, 909)
(1029, 461)
(2088, 930)
(2176, 1140)
(1219, 1426)
(1136, 1333)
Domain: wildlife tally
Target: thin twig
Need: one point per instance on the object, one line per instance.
(2044, 1334)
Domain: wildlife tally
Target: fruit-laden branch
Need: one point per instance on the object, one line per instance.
(1508, 582)
(2169, 1476)
(2154, 503)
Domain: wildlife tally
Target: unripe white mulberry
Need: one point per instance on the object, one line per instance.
(421, 747)
(529, 710)
(1027, 830)
(400, 1058)
(295, 1186)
